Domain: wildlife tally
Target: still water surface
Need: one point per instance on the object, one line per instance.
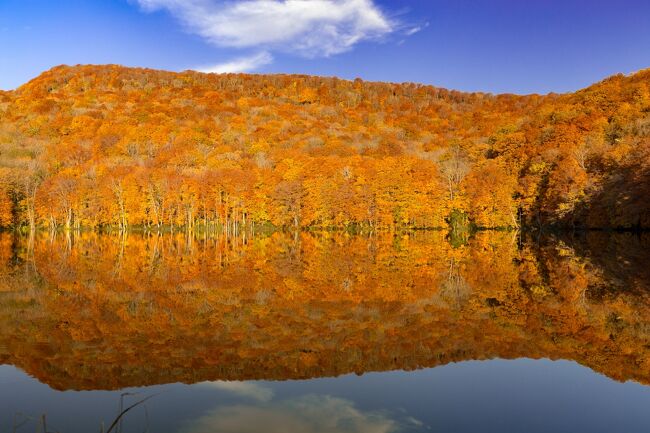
(325, 333)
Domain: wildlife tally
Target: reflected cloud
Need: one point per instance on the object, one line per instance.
(243, 389)
(308, 414)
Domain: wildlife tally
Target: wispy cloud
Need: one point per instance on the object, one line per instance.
(240, 64)
(417, 29)
(309, 28)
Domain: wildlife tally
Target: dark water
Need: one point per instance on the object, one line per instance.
(325, 333)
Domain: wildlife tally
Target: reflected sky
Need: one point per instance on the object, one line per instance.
(475, 396)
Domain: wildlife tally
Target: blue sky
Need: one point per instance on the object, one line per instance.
(518, 46)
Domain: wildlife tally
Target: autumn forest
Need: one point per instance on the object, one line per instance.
(120, 148)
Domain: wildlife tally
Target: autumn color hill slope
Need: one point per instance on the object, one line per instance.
(93, 146)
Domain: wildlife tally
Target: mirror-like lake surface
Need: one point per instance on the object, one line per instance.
(327, 332)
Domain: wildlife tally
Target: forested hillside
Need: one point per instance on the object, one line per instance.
(99, 146)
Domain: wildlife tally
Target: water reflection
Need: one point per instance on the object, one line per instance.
(489, 396)
(108, 312)
(111, 312)
(308, 414)
(250, 390)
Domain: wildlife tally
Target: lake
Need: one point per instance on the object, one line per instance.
(325, 332)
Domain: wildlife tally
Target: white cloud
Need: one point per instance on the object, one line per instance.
(417, 29)
(310, 28)
(243, 389)
(241, 64)
(308, 414)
